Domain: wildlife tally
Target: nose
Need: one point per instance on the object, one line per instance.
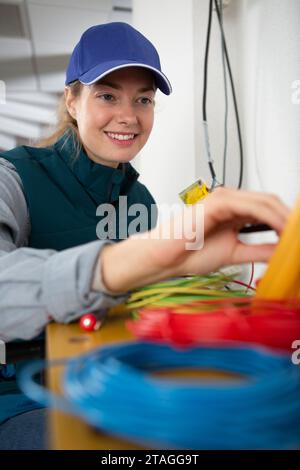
(127, 114)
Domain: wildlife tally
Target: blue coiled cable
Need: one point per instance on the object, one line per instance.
(111, 389)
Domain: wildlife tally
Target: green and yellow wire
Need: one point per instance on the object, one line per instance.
(178, 291)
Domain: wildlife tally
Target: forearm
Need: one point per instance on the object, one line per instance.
(131, 264)
(39, 285)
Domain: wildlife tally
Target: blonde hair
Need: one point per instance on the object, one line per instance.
(65, 122)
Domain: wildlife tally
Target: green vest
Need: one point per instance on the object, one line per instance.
(63, 192)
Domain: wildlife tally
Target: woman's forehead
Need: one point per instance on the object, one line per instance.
(138, 76)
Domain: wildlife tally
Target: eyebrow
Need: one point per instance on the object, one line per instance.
(118, 87)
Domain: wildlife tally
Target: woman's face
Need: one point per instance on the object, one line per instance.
(115, 116)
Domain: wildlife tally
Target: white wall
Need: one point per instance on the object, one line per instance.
(215, 91)
(272, 120)
(269, 54)
(263, 40)
(174, 156)
(167, 164)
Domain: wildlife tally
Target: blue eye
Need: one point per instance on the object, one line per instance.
(145, 100)
(106, 97)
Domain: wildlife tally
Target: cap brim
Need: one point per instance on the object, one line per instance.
(100, 71)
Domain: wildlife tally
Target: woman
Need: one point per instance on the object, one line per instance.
(52, 264)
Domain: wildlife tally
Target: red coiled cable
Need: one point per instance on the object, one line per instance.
(275, 324)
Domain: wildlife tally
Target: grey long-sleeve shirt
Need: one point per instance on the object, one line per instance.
(39, 285)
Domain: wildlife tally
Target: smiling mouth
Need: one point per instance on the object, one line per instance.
(121, 137)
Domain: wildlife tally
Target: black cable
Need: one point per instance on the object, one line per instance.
(206, 61)
(233, 96)
(226, 97)
(255, 228)
(204, 95)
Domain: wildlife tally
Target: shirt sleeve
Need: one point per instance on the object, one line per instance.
(36, 285)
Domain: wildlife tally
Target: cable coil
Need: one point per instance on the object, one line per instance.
(275, 324)
(112, 389)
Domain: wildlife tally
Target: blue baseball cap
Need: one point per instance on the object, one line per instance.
(104, 48)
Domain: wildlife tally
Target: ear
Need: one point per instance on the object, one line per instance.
(70, 101)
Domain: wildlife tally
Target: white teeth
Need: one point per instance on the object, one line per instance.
(120, 136)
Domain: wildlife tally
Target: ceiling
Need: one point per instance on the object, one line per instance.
(36, 39)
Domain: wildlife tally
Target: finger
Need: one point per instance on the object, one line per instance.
(244, 253)
(236, 207)
(270, 200)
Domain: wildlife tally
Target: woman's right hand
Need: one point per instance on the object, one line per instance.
(147, 258)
